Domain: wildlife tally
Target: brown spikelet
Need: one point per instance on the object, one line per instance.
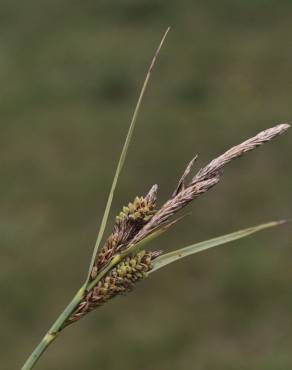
(120, 280)
(130, 220)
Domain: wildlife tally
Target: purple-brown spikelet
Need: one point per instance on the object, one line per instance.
(205, 179)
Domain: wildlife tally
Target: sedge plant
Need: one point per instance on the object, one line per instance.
(122, 260)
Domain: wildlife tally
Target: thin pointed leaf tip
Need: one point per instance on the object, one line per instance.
(168, 258)
(123, 157)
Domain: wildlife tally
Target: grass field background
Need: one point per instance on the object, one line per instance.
(70, 73)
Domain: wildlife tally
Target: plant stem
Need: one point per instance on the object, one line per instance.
(54, 330)
(59, 323)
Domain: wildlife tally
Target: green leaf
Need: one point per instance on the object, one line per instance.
(176, 255)
(122, 158)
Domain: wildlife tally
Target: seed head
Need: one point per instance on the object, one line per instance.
(120, 280)
(140, 219)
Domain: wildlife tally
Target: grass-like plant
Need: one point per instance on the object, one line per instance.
(122, 261)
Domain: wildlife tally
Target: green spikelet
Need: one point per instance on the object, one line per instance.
(140, 209)
(120, 280)
(129, 221)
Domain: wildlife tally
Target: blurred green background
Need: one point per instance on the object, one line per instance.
(70, 74)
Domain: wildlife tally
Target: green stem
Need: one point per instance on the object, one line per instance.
(59, 323)
(54, 330)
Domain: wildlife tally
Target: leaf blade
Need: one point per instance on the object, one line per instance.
(166, 259)
(123, 157)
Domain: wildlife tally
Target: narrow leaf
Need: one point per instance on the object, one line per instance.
(166, 259)
(123, 157)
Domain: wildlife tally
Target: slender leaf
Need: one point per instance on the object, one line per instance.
(176, 255)
(123, 157)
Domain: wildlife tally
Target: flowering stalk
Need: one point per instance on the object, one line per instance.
(122, 261)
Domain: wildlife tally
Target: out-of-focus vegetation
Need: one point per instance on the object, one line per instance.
(70, 73)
